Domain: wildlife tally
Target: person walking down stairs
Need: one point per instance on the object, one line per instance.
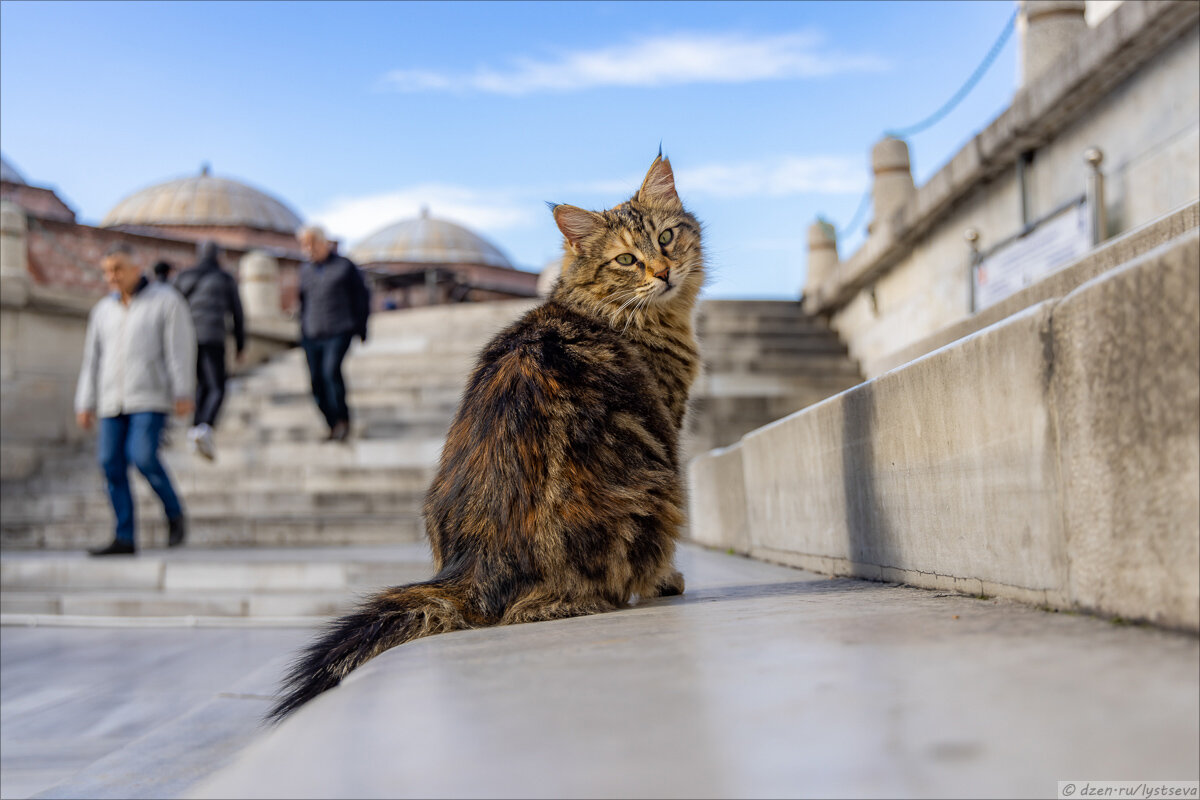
(212, 296)
(139, 365)
(334, 304)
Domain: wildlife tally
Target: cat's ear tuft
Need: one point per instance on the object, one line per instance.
(659, 186)
(575, 224)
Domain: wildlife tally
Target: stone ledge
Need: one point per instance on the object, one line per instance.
(1051, 458)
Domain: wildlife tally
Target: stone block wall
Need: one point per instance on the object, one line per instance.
(1052, 458)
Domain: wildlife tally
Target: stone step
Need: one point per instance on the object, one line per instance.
(191, 569)
(415, 453)
(80, 474)
(766, 385)
(198, 583)
(244, 415)
(315, 604)
(723, 326)
(396, 429)
(221, 531)
(783, 364)
(741, 308)
(752, 344)
(378, 394)
(395, 379)
(218, 503)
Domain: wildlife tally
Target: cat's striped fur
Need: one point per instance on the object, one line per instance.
(559, 490)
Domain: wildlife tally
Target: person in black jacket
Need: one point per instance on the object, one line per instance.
(334, 304)
(212, 295)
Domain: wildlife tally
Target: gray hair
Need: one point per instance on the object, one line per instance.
(119, 248)
(316, 231)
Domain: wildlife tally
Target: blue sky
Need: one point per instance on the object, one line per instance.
(356, 114)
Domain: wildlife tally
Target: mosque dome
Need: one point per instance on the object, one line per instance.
(427, 240)
(204, 200)
(9, 173)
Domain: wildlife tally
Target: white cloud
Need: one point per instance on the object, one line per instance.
(350, 219)
(777, 176)
(650, 62)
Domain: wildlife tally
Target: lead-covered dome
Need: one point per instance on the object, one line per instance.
(427, 240)
(204, 200)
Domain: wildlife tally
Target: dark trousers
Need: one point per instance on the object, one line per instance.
(210, 383)
(325, 356)
(133, 438)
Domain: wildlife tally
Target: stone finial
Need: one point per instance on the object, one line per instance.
(822, 255)
(258, 281)
(14, 254)
(1047, 28)
(893, 187)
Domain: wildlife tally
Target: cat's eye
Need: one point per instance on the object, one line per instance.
(625, 259)
(666, 236)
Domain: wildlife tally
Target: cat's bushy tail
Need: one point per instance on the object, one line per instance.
(390, 618)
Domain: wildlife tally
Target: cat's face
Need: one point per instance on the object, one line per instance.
(644, 253)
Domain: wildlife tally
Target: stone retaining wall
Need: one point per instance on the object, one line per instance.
(1052, 458)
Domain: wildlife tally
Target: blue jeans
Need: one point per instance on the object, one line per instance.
(134, 438)
(325, 356)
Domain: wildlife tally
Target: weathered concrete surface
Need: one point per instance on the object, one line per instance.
(1050, 458)
(759, 682)
(1127, 399)
(919, 470)
(718, 500)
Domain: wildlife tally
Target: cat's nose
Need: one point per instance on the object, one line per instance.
(664, 274)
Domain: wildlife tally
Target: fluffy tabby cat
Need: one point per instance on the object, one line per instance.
(558, 492)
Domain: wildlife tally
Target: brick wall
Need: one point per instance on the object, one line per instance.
(67, 255)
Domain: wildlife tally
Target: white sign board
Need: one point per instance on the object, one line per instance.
(1024, 261)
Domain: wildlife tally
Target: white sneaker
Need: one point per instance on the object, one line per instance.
(193, 434)
(204, 441)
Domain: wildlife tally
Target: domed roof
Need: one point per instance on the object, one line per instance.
(427, 240)
(8, 173)
(203, 200)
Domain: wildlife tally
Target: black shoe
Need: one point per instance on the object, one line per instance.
(176, 531)
(119, 547)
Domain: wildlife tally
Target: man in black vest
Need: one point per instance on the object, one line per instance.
(212, 295)
(334, 304)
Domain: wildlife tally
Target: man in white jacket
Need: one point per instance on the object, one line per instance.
(139, 365)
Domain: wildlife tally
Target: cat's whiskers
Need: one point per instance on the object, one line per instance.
(634, 313)
(633, 298)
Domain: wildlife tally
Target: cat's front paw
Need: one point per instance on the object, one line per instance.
(670, 585)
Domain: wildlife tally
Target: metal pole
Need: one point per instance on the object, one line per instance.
(1097, 213)
(972, 237)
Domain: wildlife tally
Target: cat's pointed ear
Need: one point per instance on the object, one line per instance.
(659, 186)
(575, 224)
